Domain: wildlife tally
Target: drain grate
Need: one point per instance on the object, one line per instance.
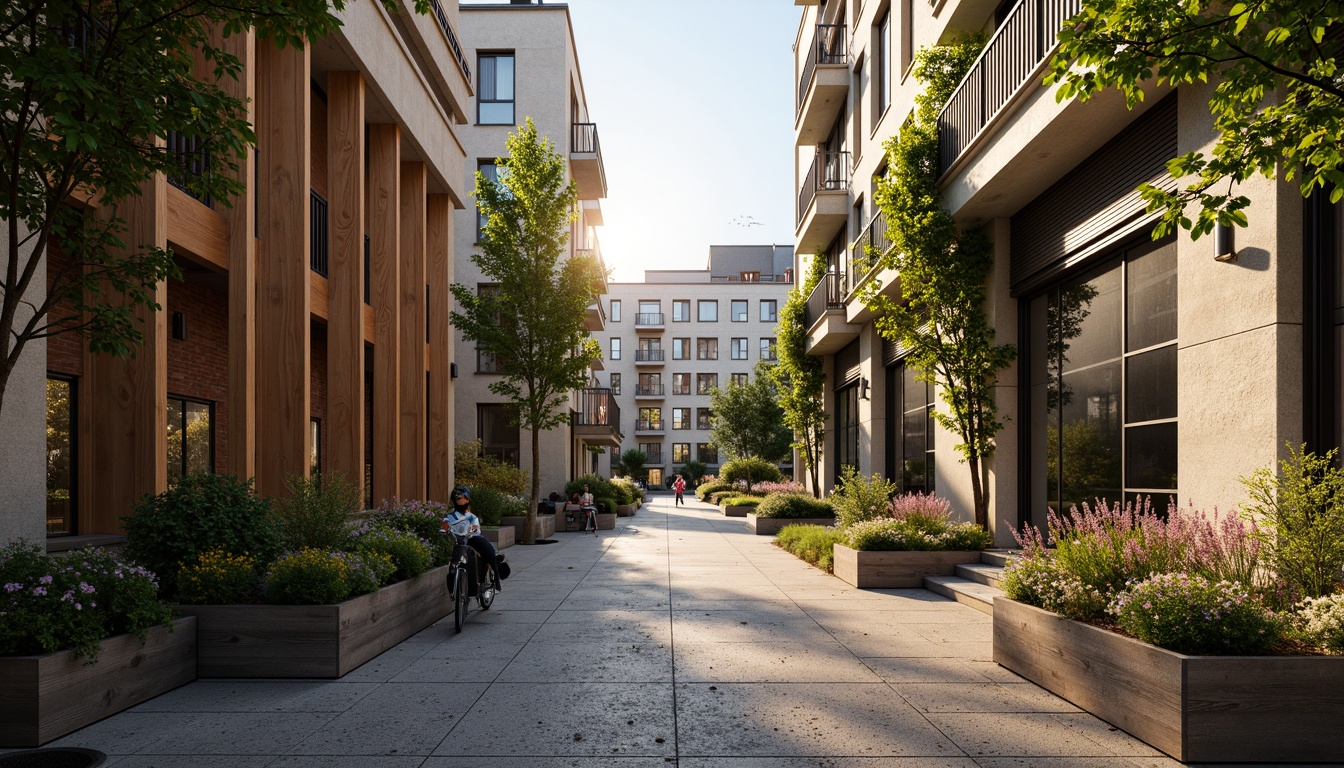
(55, 757)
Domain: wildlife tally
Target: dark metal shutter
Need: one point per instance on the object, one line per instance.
(1094, 204)
(847, 365)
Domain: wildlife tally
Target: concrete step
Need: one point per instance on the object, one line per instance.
(989, 575)
(999, 557)
(964, 591)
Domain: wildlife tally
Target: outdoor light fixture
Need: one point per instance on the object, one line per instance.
(863, 388)
(1224, 249)
(179, 326)
(452, 370)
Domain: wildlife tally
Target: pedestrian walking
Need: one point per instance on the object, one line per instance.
(679, 487)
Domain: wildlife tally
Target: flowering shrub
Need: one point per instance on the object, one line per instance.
(710, 486)
(1322, 622)
(812, 543)
(366, 571)
(718, 497)
(219, 578)
(421, 518)
(885, 535)
(794, 506)
(918, 507)
(1191, 614)
(72, 601)
(861, 498)
(742, 501)
(409, 552)
(750, 470)
(780, 487)
(1039, 581)
(308, 577)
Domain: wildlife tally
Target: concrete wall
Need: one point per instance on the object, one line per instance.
(23, 422)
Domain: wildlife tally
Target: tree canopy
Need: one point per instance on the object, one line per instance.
(1277, 99)
(800, 377)
(748, 421)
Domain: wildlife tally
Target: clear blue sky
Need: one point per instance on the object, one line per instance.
(693, 102)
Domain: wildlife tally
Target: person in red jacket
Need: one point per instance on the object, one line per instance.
(679, 487)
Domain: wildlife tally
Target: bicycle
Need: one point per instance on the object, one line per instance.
(590, 516)
(465, 578)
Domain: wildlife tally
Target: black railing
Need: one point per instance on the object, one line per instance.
(652, 457)
(648, 390)
(193, 158)
(784, 278)
(648, 356)
(453, 45)
(871, 245)
(649, 425)
(583, 139)
(829, 294)
(1019, 46)
(828, 47)
(596, 408)
(317, 238)
(649, 318)
(829, 171)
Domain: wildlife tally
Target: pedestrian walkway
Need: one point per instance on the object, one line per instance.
(677, 639)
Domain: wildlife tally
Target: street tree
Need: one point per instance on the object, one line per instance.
(632, 464)
(88, 94)
(939, 315)
(1277, 102)
(531, 319)
(800, 377)
(747, 421)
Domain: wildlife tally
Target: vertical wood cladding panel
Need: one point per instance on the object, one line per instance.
(1093, 200)
(242, 227)
(414, 180)
(383, 206)
(439, 255)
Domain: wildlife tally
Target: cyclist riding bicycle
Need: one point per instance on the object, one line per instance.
(462, 520)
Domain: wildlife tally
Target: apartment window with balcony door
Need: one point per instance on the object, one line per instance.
(653, 452)
(681, 383)
(498, 432)
(494, 100)
(490, 171)
(769, 311)
(615, 310)
(709, 311)
(681, 418)
(740, 379)
(650, 384)
(846, 420)
(650, 313)
(704, 418)
(651, 418)
(706, 349)
(615, 383)
(681, 311)
(704, 382)
(615, 348)
(681, 453)
(706, 453)
(768, 350)
(910, 434)
(737, 349)
(882, 65)
(681, 349)
(739, 310)
(191, 437)
(650, 348)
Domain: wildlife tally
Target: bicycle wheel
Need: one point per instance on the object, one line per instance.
(486, 592)
(460, 600)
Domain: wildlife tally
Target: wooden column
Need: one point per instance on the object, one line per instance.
(413, 330)
(242, 224)
(439, 255)
(125, 407)
(283, 300)
(382, 219)
(345, 292)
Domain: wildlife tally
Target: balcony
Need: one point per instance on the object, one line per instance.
(827, 330)
(597, 417)
(649, 392)
(585, 161)
(649, 321)
(653, 458)
(649, 356)
(823, 84)
(823, 201)
(595, 317)
(1012, 60)
(192, 155)
(453, 44)
(317, 237)
(648, 426)
(871, 244)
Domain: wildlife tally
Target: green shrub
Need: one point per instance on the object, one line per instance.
(720, 497)
(703, 491)
(422, 518)
(219, 578)
(812, 543)
(318, 512)
(72, 601)
(750, 470)
(1193, 615)
(692, 471)
(743, 501)
(491, 505)
(905, 535)
(409, 552)
(861, 498)
(625, 489)
(367, 571)
(1322, 622)
(605, 505)
(1038, 580)
(308, 577)
(794, 506)
(202, 512)
(597, 486)
(475, 470)
(1302, 513)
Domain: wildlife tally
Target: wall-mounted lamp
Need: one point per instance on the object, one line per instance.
(452, 370)
(863, 388)
(1224, 246)
(179, 326)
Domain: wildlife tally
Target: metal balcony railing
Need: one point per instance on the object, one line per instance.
(193, 157)
(871, 245)
(649, 356)
(648, 390)
(597, 407)
(829, 46)
(829, 171)
(317, 237)
(453, 45)
(829, 294)
(649, 425)
(583, 139)
(1019, 46)
(649, 318)
(653, 458)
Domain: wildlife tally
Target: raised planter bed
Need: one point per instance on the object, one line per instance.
(769, 526)
(315, 641)
(896, 570)
(626, 510)
(544, 529)
(1216, 709)
(606, 521)
(737, 511)
(500, 536)
(47, 696)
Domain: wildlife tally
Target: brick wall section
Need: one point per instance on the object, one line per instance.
(65, 352)
(318, 383)
(198, 368)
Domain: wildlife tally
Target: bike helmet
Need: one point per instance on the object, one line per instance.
(460, 492)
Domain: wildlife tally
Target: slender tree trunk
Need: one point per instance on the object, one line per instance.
(980, 490)
(529, 528)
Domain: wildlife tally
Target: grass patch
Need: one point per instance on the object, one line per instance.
(813, 543)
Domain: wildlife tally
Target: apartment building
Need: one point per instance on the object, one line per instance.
(681, 333)
(528, 66)
(310, 328)
(1166, 369)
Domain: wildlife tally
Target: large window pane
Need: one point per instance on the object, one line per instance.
(1089, 319)
(1150, 385)
(1150, 458)
(497, 113)
(60, 456)
(1089, 435)
(499, 438)
(503, 78)
(1151, 300)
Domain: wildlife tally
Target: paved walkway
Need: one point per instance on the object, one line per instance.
(677, 639)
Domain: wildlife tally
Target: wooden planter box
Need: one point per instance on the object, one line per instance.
(606, 521)
(45, 697)
(315, 641)
(769, 526)
(896, 570)
(1216, 709)
(501, 536)
(738, 511)
(544, 529)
